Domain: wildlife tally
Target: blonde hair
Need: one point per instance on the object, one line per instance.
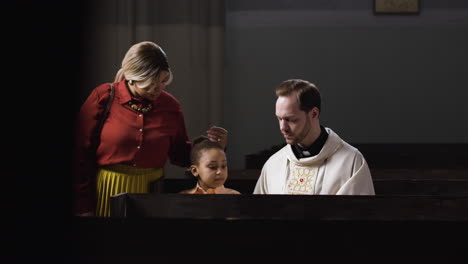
(142, 63)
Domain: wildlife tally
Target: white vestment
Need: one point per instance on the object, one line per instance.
(339, 169)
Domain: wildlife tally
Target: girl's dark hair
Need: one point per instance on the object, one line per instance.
(201, 143)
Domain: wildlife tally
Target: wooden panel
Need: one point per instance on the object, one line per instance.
(393, 156)
(416, 173)
(397, 186)
(292, 207)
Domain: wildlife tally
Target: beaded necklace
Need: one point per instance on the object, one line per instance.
(140, 109)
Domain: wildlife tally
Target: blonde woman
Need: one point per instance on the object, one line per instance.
(144, 127)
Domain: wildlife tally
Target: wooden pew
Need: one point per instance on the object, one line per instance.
(292, 207)
(177, 228)
(397, 169)
(386, 182)
(393, 155)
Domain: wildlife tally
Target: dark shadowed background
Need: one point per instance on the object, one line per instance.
(384, 79)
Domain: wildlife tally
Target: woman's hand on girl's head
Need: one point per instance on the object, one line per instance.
(218, 134)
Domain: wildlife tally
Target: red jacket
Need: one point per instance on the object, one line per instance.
(128, 137)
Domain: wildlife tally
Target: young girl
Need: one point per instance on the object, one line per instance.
(209, 166)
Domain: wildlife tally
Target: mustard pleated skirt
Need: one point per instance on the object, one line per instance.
(115, 179)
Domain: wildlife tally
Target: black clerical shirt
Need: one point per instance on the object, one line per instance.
(313, 149)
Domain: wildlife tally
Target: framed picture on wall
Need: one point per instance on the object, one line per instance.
(396, 6)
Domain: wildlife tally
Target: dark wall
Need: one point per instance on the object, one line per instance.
(384, 78)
